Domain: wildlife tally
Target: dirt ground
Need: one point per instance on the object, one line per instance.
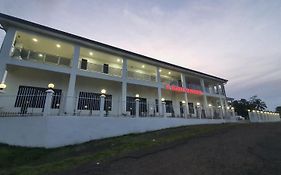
(243, 149)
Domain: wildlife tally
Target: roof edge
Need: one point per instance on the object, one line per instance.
(22, 21)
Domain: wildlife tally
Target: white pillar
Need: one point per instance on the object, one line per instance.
(205, 102)
(137, 107)
(102, 101)
(159, 91)
(124, 87)
(212, 111)
(70, 105)
(164, 108)
(160, 109)
(48, 102)
(185, 95)
(221, 101)
(5, 51)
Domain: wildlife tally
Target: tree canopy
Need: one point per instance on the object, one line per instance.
(242, 106)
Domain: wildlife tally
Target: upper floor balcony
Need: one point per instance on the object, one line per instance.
(31, 47)
(141, 71)
(101, 62)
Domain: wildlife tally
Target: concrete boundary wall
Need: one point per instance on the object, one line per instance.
(51, 132)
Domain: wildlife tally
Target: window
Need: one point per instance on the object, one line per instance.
(91, 101)
(34, 97)
(191, 108)
(156, 104)
(131, 105)
(169, 106)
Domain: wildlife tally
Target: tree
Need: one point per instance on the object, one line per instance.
(278, 109)
(257, 103)
(242, 106)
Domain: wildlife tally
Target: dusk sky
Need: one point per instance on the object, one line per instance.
(239, 40)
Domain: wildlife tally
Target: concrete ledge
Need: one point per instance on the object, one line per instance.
(56, 131)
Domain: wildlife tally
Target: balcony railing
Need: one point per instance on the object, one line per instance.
(92, 67)
(40, 57)
(171, 81)
(141, 76)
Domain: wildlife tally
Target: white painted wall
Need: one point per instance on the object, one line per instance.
(52, 132)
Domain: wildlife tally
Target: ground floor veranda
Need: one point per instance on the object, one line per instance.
(25, 95)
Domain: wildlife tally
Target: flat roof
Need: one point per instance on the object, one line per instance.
(6, 21)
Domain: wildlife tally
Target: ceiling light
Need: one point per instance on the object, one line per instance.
(160, 70)
(91, 53)
(40, 55)
(118, 60)
(169, 73)
(142, 66)
(58, 45)
(34, 39)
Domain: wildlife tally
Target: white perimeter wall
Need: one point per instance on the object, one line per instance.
(52, 132)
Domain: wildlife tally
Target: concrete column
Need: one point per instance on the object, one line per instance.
(124, 86)
(205, 102)
(199, 111)
(159, 91)
(124, 98)
(70, 95)
(102, 101)
(221, 101)
(48, 102)
(137, 107)
(160, 109)
(5, 50)
(185, 94)
(164, 108)
(212, 112)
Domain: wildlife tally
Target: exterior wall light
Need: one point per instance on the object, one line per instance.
(103, 91)
(232, 108)
(219, 106)
(2, 86)
(137, 95)
(228, 107)
(51, 86)
(249, 110)
(253, 111)
(210, 105)
(162, 99)
(183, 102)
(198, 104)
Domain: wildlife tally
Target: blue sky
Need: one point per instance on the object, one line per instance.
(235, 39)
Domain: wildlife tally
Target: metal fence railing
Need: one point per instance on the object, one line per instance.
(90, 104)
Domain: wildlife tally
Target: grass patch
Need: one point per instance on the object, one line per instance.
(36, 161)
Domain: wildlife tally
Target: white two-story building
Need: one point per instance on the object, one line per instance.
(33, 56)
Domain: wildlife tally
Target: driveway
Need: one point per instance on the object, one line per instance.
(243, 149)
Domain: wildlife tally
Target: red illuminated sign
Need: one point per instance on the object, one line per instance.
(182, 89)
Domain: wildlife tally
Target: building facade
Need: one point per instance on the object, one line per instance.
(33, 56)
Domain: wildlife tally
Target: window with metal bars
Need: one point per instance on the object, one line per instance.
(91, 101)
(34, 97)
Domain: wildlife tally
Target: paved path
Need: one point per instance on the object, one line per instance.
(243, 149)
